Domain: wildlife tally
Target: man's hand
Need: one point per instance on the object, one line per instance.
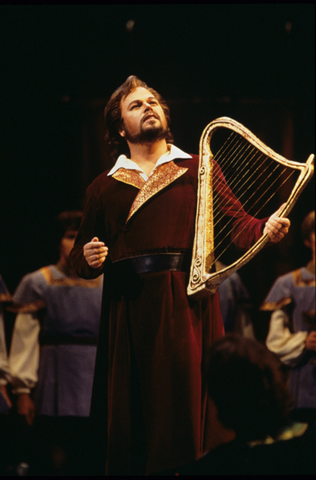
(310, 342)
(25, 407)
(95, 252)
(276, 227)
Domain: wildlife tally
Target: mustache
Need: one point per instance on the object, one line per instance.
(151, 114)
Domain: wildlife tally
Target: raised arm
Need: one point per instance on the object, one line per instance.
(89, 253)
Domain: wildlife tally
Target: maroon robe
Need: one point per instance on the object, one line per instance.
(157, 338)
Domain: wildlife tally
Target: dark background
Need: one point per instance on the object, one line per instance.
(60, 64)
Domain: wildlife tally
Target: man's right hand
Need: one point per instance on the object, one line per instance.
(95, 253)
(25, 407)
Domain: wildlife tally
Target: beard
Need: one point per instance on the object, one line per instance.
(151, 133)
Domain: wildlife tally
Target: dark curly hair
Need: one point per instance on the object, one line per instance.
(247, 383)
(113, 118)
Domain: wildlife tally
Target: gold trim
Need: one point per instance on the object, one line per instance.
(69, 281)
(276, 305)
(27, 307)
(299, 281)
(5, 297)
(131, 177)
(161, 178)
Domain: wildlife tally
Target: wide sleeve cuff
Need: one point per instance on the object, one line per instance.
(288, 346)
(24, 353)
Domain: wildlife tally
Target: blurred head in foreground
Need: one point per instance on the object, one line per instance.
(247, 389)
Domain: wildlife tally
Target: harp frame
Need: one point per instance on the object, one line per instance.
(202, 283)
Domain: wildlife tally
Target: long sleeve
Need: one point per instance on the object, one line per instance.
(24, 353)
(91, 226)
(288, 346)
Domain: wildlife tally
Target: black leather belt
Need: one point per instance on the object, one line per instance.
(157, 262)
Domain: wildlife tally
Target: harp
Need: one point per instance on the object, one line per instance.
(231, 155)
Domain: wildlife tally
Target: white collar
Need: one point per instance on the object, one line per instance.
(124, 162)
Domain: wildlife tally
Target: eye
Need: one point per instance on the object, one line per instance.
(134, 105)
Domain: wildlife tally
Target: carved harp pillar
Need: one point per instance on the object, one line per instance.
(235, 164)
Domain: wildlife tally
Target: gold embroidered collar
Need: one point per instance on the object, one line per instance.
(131, 177)
(160, 178)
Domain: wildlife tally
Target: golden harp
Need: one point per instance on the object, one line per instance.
(222, 172)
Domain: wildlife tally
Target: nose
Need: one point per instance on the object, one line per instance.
(147, 105)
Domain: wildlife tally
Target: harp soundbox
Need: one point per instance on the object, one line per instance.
(235, 165)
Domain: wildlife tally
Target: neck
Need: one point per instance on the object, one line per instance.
(64, 266)
(147, 154)
(311, 265)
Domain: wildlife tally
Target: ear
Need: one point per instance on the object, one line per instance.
(122, 132)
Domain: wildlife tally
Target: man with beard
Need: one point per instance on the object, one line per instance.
(138, 229)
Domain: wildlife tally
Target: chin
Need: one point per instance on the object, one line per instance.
(153, 133)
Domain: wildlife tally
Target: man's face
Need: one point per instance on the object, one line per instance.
(143, 117)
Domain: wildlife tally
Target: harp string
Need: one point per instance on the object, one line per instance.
(255, 214)
(239, 168)
(219, 186)
(232, 185)
(244, 169)
(238, 196)
(254, 178)
(232, 153)
(250, 159)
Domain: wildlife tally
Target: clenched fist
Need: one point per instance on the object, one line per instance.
(95, 253)
(276, 227)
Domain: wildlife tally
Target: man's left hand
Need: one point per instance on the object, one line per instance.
(276, 227)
